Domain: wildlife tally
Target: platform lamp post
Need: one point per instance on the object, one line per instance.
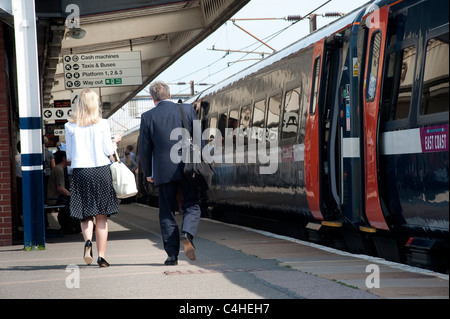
(30, 123)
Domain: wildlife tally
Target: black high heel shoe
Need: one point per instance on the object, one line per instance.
(88, 252)
(102, 263)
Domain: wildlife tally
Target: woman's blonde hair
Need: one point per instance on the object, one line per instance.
(87, 109)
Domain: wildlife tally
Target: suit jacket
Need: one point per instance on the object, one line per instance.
(155, 142)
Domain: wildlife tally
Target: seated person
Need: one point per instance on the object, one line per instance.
(56, 188)
(130, 159)
(58, 194)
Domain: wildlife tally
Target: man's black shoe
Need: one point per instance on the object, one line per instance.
(171, 261)
(189, 248)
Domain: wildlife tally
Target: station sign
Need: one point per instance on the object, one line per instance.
(59, 132)
(102, 70)
(56, 113)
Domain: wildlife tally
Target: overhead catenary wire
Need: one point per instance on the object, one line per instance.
(270, 37)
(294, 18)
(226, 54)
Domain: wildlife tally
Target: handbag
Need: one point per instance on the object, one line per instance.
(197, 171)
(123, 179)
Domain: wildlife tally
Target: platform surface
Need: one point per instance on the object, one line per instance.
(233, 262)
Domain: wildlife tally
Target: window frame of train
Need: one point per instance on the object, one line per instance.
(291, 136)
(372, 79)
(221, 129)
(232, 125)
(198, 109)
(440, 115)
(213, 129)
(257, 131)
(204, 110)
(392, 118)
(244, 130)
(396, 114)
(315, 85)
(272, 133)
(406, 84)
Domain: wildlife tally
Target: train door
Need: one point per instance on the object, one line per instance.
(330, 136)
(312, 147)
(322, 151)
(376, 24)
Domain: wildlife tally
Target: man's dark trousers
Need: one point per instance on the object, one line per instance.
(167, 207)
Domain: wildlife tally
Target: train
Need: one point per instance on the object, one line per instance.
(342, 136)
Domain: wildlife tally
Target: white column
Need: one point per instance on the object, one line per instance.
(30, 122)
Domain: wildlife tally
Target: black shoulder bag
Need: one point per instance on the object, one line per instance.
(198, 172)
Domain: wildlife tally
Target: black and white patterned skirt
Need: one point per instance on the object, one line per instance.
(92, 193)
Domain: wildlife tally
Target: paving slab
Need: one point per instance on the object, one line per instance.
(232, 263)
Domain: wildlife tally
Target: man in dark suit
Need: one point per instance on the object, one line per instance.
(155, 147)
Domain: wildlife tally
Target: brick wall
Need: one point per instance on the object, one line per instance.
(5, 154)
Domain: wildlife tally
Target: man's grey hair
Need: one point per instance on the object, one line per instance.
(160, 91)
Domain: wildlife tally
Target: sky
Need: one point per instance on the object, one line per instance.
(203, 65)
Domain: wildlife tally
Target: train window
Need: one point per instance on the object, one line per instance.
(233, 119)
(259, 111)
(398, 82)
(258, 114)
(204, 113)
(436, 77)
(212, 133)
(315, 86)
(197, 109)
(273, 116)
(290, 114)
(406, 83)
(233, 123)
(371, 84)
(222, 125)
(388, 87)
(213, 122)
(244, 122)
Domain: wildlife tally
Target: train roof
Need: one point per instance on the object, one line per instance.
(301, 44)
(132, 130)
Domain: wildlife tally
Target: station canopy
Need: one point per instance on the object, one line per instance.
(161, 30)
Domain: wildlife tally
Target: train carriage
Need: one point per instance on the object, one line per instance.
(344, 132)
(360, 112)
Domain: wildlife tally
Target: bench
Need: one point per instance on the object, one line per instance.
(56, 206)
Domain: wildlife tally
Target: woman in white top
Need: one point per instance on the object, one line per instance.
(88, 147)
